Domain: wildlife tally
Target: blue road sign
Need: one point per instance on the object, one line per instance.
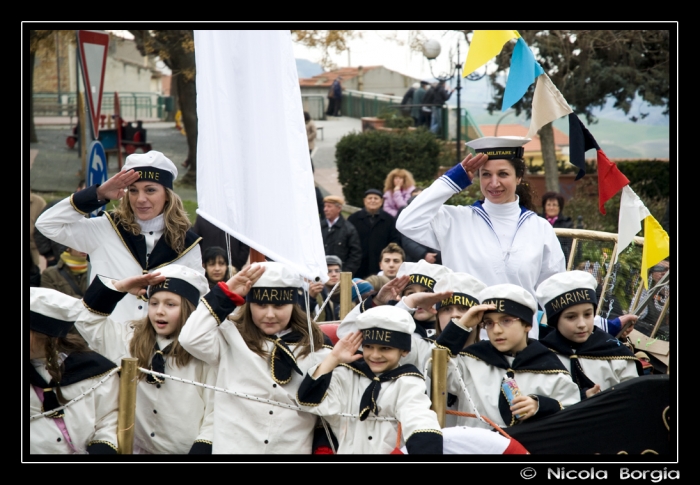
(96, 168)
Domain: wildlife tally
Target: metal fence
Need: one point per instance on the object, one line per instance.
(133, 106)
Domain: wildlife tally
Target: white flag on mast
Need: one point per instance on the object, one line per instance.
(254, 177)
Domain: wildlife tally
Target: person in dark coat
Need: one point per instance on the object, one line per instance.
(213, 236)
(376, 229)
(553, 211)
(340, 238)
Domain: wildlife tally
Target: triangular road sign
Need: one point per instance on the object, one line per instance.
(92, 47)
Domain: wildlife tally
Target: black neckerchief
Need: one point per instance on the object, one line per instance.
(161, 254)
(599, 345)
(368, 403)
(533, 358)
(77, 367)
(158, 363)
(282, 360)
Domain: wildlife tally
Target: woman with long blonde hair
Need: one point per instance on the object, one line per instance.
(171, 416)
(398, 186)
(146, 231)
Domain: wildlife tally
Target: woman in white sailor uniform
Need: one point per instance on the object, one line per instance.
(373, 385)
(62, 369)
(172, 417)
(148, 229)
(596, 359)
(262, 351)
(498, 240)
(545, 384)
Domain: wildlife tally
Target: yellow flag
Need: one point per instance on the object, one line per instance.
(656, 246)
(484, 46)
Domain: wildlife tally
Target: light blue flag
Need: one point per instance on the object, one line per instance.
(524, 69)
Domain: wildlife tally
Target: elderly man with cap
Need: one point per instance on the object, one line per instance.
(376, 228)
(146, 231)
(499, 239)
(339, 237)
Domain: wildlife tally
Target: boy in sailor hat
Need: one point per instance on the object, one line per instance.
(596, 360)
(545, 385)
(373, 383)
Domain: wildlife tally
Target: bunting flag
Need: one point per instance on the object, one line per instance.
(656, 241)
(580, 141)
(548, 104)
(485, 45)
(656, 246)
(524, 69)
(254, 177)
(610, 180)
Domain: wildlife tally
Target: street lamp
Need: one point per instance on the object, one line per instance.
(431, 49)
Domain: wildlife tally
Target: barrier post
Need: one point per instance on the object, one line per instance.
(127, 405)
(438, 384)
(345, 293)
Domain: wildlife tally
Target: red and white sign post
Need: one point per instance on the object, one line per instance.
(92, 49)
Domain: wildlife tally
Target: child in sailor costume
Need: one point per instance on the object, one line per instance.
(172, 417)
(596, 359)
(373, 383)
(497, 240)
(114, 251)
(544, 382)
(88, 425)
(262, 353)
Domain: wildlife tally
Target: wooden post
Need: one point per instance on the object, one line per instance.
(345, 294)
(127, 405)
(438, 384)
(572, 254)
(256, 256)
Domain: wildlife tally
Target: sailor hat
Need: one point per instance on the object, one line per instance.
(51, 312)
(500, 147)
(423, 273)
(464, 287)
(562, 290)
(183, 281)
(386, 325)
(511, 299)
(278, 285)
(153, 167)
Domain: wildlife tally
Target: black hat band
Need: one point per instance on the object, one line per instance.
(388, 338)
(572, 297)
(510, 307)
(507, 153)
(53, 327)
(151, 174)
(275, 295)
(177, 286)
(421, 279)
(458, 299)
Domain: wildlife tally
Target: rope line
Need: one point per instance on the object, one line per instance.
(76, 399)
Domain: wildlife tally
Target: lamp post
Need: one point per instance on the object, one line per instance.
(431, 49)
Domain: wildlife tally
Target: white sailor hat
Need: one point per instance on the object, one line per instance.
(51, 312)
(153, 167)
(500, 147)
(562, 290)
(511, 299)
(386, 325)
(464, 287)
(423, 273)
(278, 285)
(183, 281)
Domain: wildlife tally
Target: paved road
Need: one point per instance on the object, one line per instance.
(57, 168)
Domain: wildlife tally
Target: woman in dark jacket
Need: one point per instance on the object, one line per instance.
(553, 211)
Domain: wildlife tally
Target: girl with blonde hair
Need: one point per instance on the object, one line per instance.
(398, 186)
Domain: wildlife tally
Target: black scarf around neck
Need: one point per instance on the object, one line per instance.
(282, 359)
(158, 363)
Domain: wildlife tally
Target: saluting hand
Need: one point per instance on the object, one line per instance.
(472, 163)
(115, 187)
(392, 290)
(241, 282)
(475, 315)
(137, 285)
(426, 300)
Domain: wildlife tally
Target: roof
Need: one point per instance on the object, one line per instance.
(327, 78)
(560, 138)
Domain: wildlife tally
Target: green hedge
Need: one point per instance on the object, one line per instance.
(364, 159)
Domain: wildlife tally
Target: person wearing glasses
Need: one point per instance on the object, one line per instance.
(545, 385)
